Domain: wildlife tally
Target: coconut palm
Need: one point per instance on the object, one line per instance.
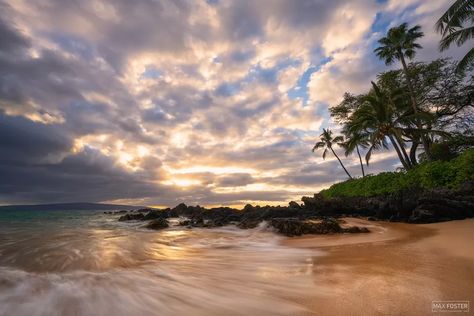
(353, 141)
(327, 141)
(457, 26)
(400, 43)
(379, 117)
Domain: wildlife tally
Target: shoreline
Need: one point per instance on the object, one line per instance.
(397, 270)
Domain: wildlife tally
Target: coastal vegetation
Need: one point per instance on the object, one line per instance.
(423, 111)
(450, 174)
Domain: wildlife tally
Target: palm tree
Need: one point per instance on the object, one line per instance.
(379, 117)
(326, 142)
(450, 26)
(399, 43)
(353, 141)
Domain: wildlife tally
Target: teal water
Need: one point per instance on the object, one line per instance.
(88, 263)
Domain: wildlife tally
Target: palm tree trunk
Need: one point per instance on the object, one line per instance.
(403, 150)
(410, 85)
(413, 149)
(400, 156)
(360, 159)
(342, 165)
(426, 144)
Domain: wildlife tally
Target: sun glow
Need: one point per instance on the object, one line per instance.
(212, 169)
(182, 182)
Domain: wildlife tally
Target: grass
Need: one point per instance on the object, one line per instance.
(436, 174)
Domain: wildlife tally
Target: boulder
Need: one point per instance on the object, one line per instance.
(131, 217)
(157, 224)
(180, 209)
(356, 230)
(154, 214)
(296, 227)
(294, 205)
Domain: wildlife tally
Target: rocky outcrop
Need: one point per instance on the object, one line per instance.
(131, 217)
(297, 227)
(155, 214)
(319, 215)
(157, 224)
(412, 206)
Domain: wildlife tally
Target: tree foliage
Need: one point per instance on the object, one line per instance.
(434, 174)
(456, 26)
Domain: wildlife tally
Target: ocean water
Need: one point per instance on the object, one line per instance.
(88, 263)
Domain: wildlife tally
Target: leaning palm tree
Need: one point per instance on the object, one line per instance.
(380, 118)
(457, 26)
(400, 43)
(327, 141)
(354, 140)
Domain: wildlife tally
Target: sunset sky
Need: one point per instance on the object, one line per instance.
(156, 102)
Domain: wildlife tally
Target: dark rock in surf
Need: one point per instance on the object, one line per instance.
(157, 224)
(131, 217)
(356, 230)
(154, 214)
(296, 227)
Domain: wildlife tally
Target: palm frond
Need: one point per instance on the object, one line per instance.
(459, 12)
(325, 153)
(318, 145)
(338, 139)
(459, 37)
(465, 62)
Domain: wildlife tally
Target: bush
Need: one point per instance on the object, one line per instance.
(436, 174)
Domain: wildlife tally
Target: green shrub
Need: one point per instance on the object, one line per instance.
(449, 174)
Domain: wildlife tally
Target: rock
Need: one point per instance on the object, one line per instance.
(154, 214)
(157, 224)
(185, 222)
(296, 227)
(180, 209)
(356, 229)
(295, 205)
(248, 207)
(131, 217)
(422, 216)
(394, 218)
(371, 218)
(144, 210)
(249, 223)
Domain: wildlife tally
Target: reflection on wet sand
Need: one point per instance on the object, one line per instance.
(398, 272)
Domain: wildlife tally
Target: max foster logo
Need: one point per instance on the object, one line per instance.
(450, 306)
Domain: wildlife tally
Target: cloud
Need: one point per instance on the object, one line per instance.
(160, 102)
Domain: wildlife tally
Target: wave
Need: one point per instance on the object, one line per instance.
(131, 271)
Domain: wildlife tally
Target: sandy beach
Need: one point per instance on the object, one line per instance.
(398, 269)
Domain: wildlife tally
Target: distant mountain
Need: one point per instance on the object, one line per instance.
(68, 206)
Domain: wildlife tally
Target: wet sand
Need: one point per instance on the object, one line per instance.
(398, 269)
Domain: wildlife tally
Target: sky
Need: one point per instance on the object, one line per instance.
(157, 102)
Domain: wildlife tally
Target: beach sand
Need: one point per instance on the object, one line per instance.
(398, 269)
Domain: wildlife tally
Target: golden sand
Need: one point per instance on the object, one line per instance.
(398, 269)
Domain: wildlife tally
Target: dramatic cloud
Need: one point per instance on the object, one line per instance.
(158, 102)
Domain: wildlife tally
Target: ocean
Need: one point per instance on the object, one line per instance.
(89, 263)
